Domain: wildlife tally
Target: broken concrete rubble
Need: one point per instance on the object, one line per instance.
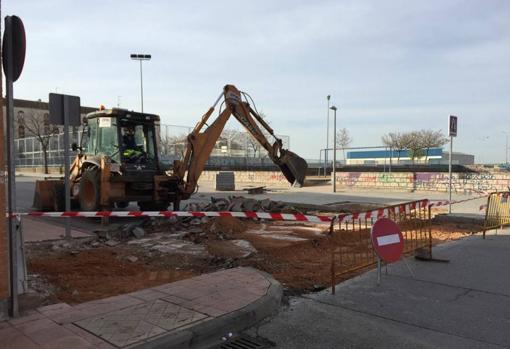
(138, 232)
(240, 204)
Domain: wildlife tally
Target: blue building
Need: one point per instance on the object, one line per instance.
(384, 156)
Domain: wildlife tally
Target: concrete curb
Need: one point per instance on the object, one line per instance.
(207, 333)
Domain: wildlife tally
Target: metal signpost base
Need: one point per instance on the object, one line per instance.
(378, 271)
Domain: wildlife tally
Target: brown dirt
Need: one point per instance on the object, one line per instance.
(226, 225)
(99, 273)
(300, 266)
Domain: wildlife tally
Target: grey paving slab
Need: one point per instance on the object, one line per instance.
(140, 322)
(154, 317)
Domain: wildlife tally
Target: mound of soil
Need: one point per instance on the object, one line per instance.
(227, 226)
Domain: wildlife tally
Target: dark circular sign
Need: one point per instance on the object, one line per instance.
(13, 47)
(387, 240)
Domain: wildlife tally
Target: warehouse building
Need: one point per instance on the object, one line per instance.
(431, 156)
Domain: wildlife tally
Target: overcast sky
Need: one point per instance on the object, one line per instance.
(388, 65)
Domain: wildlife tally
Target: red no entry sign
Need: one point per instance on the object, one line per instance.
(387, 240)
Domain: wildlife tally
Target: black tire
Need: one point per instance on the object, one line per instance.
(122, 204)
(152, 206)
(59, 197)
(89, 189)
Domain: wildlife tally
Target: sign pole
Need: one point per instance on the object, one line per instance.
(450, 176)
(11, 173)
(67, 188)
(378, 271)
(452, 132)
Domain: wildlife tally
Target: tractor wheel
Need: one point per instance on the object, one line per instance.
(122, 204)
(152, 206)
(59, 197)
(89, 189)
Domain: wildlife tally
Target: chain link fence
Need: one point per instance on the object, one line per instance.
(233, 149)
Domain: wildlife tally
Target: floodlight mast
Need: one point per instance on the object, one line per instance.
(141, 57)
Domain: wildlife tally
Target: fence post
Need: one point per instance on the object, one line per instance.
(333, 272)
(429, 221)
(486, 215)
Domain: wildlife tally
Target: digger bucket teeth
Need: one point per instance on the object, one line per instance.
(293, 168)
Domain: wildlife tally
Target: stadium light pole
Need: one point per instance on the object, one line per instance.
(334, 148)
(140, 58)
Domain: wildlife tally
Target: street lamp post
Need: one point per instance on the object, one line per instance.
(141, 57)
(334, 148)
(506, 150)
(327, 140)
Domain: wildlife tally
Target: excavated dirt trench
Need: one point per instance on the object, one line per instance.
(296, 254)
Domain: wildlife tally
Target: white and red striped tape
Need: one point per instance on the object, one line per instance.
(378, 213)
(382, 212)
(446, 202)
(168, 214)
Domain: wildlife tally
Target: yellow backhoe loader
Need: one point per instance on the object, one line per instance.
(118, 159)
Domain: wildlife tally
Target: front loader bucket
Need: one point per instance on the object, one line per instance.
(44, 196)
(293, 167)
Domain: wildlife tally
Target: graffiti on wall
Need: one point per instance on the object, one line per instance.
(426, 181)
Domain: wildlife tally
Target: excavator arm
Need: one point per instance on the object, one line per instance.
(200, 143)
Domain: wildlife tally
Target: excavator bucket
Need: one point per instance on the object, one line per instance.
(44, 196)
(293, 168)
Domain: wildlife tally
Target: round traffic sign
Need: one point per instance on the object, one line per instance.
(13, 47)
(387, 240)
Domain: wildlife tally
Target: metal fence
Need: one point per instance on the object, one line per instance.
(241, 152)
(351, 243)
(29, 151)
(497, 213)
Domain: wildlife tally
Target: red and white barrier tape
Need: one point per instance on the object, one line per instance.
(446, 202)
(348, 217)
(384, 212)
(168, 214)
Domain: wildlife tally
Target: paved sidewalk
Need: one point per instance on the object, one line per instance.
(37, 229)
(461, 304)
(182, 314)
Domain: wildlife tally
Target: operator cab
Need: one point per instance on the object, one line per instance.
(126, 137)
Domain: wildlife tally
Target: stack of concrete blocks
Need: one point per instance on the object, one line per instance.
(225, 181)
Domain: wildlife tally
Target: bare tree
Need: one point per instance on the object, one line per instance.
(40, 129)
(432, 139)
(175, 144)
(414, 144)
(397, 142)
(234, 139)
(417, 142)
(253, 143)
(343, 139)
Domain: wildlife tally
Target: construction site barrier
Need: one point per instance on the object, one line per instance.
(497, 214)
(347, 217)
(169, 214)
(351, 244)
(382, 212)
(437, 203)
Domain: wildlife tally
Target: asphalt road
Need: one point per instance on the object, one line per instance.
(461, 304)
(312, 195)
